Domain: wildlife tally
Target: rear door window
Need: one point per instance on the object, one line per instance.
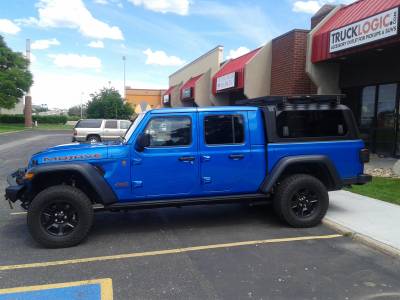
(89, 124)
(111, 124)
(224, 129)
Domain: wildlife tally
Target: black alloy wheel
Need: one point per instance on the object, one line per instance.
(59, 219)
(304, 203)
(60, 216)
(301, 200)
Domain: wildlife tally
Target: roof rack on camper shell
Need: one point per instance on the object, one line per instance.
(292, 99)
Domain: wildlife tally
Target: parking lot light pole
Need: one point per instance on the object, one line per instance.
(124, 60)
(81, 105)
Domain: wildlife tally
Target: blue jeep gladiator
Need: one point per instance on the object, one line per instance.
(288, 152)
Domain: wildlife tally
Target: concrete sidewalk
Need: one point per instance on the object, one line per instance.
(372, 221)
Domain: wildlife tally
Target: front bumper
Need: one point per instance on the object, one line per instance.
(359, 180)
(16, 186)
(14, 192)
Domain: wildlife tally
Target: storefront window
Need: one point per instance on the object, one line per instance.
(368, 106)
(386, 130)
(386, 105)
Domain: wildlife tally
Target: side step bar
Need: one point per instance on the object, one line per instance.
(256, 198)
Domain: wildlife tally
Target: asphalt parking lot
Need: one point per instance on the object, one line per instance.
(205, 252)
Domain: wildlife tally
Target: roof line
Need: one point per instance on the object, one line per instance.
(197, 59)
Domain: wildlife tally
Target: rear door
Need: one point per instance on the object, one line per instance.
(225, 155)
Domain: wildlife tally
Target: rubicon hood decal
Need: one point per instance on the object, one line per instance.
(72, 157)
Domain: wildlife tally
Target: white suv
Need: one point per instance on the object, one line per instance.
(97, 130)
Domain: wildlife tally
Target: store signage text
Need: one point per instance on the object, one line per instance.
(187, 93)
(368, 30)
(226, 82)
(166, 98)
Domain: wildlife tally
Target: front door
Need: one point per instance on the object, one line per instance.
(169, 166)
(224, 152)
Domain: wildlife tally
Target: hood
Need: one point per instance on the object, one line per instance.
(78, 152)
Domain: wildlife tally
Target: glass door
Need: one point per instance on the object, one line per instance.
(386, 119)
(367, 114)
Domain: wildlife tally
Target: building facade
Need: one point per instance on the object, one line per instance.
(17, 110)
(143, 99)
(349, 49)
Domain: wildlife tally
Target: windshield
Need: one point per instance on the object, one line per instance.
(133, 126)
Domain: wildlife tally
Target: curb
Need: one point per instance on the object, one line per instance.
(363, 239)
(8, 132)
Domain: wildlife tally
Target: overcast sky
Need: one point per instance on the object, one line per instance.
(77, 45)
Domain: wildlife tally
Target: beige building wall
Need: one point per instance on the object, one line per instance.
(325, 75)
(176, 96)
(17, 110)
(207, 63)
(203, 90)
(257, 74)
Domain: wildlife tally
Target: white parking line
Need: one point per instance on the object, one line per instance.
(18, 213)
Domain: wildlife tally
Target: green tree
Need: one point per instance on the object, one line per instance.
(15, 77)
(108, 104)
(76, 111)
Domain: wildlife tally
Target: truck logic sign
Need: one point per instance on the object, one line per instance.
(372, 29)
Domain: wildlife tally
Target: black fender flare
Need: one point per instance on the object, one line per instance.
(321, 160)
(104, 194)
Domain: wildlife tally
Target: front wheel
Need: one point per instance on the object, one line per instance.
(60, 216)
(301, 200)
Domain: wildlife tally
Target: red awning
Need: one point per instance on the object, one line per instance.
(359, 11)
(233, 71)
(170, 90)
(187, 90)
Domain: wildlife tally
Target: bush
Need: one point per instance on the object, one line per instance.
(19, 119)
(73, 118)
(12, 119)
(50, 119)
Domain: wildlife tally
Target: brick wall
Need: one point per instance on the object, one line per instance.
(288, 76)
(321, 14)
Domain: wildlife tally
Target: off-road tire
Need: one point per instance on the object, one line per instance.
(58, 195)
(289, 188)
(93, 138)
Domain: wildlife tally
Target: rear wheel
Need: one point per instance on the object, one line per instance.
(60, 216)
(93, 139)
(301, 200)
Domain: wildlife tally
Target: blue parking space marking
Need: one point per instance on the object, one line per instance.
(87, 292)
(100, 289)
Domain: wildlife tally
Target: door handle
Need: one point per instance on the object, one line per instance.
(187, 158)
(205, 157)
(236, 156)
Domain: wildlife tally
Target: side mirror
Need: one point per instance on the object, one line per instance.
(142, 142)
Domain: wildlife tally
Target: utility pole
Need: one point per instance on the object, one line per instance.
(28, 97)
(81, 105)
(124, 60)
